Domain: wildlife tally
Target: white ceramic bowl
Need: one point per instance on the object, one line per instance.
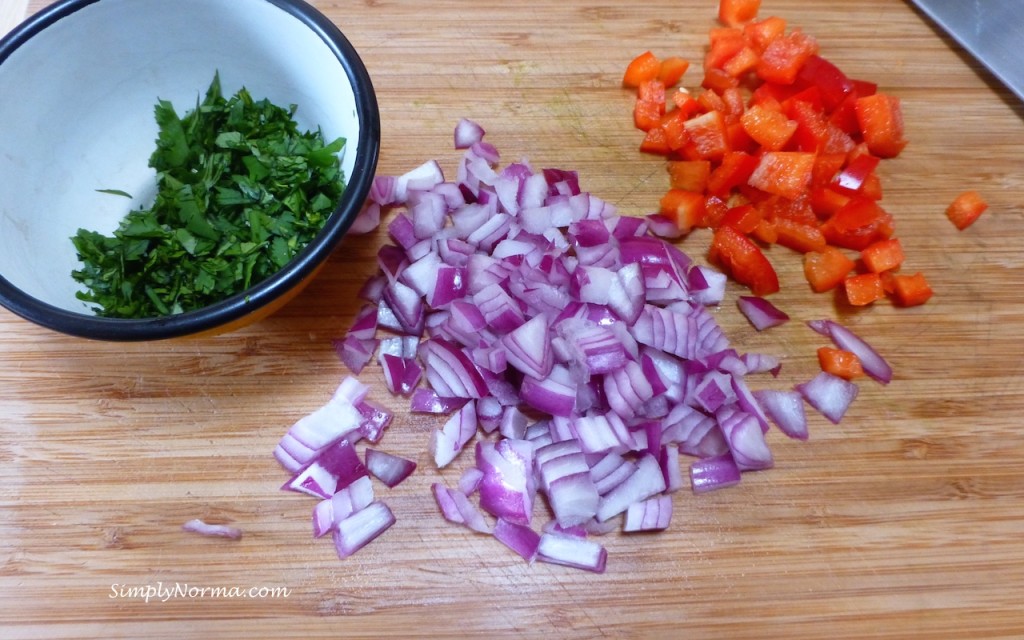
(78, 85)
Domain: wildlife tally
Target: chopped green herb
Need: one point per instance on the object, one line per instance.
(116, 192)
(240, 192)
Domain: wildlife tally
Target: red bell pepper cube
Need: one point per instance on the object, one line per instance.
(965, 209)
(672, 70)
(737, 12)
(655, 142)
(825, 201)
(832, 83)
(826, 269)
(855, 173)
(880, 117)
(715, 210)
(645, 66)
(783, 58)
(735, 169)
(799, 236)
(863, 289)
(745, 218)
(858, 224)
(739, 256)
(784, 173)
(910, 290)
(708, 134)
(839, 362)
(690, 175)
(761, 33)
(770, 128)
(685, 208)
(884, 255)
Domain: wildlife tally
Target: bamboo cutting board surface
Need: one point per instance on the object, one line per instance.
(905, 521)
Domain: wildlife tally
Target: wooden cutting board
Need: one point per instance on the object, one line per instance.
(905, 521)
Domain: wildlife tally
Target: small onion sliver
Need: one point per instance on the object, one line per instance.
(214, 530)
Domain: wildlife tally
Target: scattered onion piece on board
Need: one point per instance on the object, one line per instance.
(215, 530)
(761, 312)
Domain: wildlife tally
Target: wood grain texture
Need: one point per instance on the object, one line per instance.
(905, 521)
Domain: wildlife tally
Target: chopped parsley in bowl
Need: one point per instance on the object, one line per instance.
(141, 200)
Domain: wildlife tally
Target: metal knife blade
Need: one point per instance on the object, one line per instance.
(990, 30)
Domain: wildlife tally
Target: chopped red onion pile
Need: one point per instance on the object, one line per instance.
(574, 345)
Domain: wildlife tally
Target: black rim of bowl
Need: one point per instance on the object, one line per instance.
(302, 266)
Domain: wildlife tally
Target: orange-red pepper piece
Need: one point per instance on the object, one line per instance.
(858, 224)
(761, 33)
(784, 173)
(740, 257)
(784, 57)
(826, 269)
(839, 362)
(708, 134)
(685, 208)
(770, 128)
(799, 236)
(884, 255)
(645, 66)
(735, 169)
(691, 175)
(737, 12)
(672, 70)
(910, 290)
(965, 209)
(864, 288)
(881, 123)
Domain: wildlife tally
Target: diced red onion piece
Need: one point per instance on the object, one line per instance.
(508, 488)
(361, 528)
(746, 439)
(706, 285)
(215, 530)
(364, 326)
(517, 537)
(664, 227)
(456, 507)
(389, 469)
(786, 410)
(555, 394)
(470, 479)
(761, 312)
(422, 178)
(427, 401)
(367, 220)
(572, 551)
(528, 347)
(467, 133)
(653, 514)
(457, 431)
(375, 420)
(315, 431)
(355, 352)
(336, 467)
(645, 481)
(829, 394)
(671, 469)
(450, 371)
(709, 474)
(330, 511)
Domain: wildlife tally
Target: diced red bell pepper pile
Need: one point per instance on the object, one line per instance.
(779, 147)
